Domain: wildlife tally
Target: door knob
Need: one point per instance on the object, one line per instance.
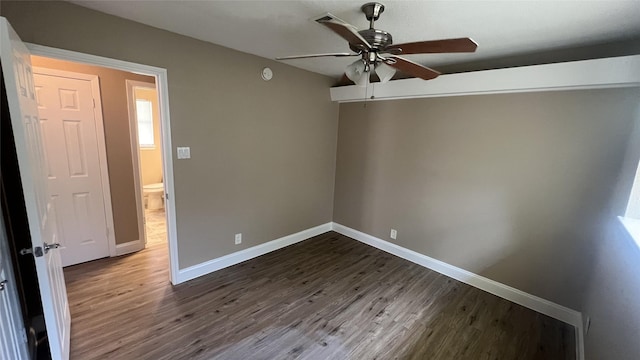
(2, 284)
(48, 247)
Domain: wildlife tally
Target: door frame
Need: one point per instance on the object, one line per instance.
(162, 86)
(102, 146)
(135, 151)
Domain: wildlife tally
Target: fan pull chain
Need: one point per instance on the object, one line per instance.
(366, 87)
(373, 90)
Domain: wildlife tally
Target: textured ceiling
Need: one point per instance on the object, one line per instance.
(278, 28)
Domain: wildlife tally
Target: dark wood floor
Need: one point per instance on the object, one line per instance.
(329, 297)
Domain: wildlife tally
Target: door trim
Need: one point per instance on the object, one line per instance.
(162, 85)
(102, 146)
(135, 154)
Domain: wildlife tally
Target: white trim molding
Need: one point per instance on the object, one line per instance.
(514, 295)
(580, 339)
(162, 85)
(222, 262)
(623, 71)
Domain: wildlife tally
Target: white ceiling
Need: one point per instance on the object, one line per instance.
(271, 28)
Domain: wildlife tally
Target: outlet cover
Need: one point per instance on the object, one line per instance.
(238, 239)
(184, 152)
(394, 234)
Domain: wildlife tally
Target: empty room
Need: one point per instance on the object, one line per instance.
(321, 180)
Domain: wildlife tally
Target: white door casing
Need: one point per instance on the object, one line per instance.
(162, 85)
(21, 98)
(12, 333)
(73, 143)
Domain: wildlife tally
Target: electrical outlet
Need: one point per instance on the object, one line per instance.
(394, 234)
(238, 239)
(184, 152)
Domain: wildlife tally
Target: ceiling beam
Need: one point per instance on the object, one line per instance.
(612, 72)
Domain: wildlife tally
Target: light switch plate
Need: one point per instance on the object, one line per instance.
(184, 152)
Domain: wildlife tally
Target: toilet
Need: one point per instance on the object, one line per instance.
(155, 196)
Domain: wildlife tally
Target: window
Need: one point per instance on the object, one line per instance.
(633, 206)
(631, 218)
(144, 116)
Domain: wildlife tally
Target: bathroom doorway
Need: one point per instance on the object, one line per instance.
(146, 140)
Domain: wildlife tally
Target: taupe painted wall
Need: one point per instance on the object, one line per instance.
(612, 295)
(262, 153)
(151, 158)
(510, 187)
(116, 131)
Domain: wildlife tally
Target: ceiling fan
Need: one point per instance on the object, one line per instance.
(379, 53)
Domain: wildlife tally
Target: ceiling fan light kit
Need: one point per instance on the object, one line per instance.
(355, 72)
(378, 53)
(384, 72)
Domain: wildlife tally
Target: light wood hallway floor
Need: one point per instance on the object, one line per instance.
(329, 297)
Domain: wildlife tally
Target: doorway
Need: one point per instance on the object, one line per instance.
(87, 159)
(159, 81)
(146, 140)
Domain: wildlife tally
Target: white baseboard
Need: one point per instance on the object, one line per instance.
(129, 247)
(532, 302)
(222, 262)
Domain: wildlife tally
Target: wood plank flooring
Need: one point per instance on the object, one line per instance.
(329, 297)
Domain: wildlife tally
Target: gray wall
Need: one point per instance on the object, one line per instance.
(263, 153)
(115, 115)
(510, 187)
(612, 298)
(612, 295)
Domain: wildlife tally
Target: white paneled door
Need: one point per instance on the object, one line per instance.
(41, 212)
(72, 162)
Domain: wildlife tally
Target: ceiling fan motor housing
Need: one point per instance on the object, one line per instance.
(378, 39)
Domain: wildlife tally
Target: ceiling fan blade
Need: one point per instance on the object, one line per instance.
(346, 31)
(433, 46)
(410, 68)
(315, 56)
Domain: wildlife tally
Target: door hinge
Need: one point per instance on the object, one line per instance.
(166, 196)
(24, 336)
(94, 103)
(107, 232)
